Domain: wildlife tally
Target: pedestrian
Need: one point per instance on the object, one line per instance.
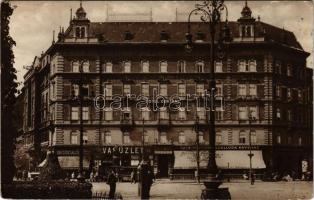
(111, 181)
(150, 181)
(73, 176)
(133, 176)
(91, 176)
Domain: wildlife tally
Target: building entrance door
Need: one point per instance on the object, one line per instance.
(163, 166)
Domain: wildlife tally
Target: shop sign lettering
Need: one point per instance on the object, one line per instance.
(122, 150)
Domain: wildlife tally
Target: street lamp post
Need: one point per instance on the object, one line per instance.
(210, 13)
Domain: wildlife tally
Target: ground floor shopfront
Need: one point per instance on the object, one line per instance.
(178, 161)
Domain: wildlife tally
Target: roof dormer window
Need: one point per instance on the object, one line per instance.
(80, 32)
(246, 31)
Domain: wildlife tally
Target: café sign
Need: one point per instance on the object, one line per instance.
(122, 150)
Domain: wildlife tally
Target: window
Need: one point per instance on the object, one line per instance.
(126, 113)
(300, 141)
(74, 113)
(219, 90)
(182, 113)
(75, 90)
(252, 90)
(289, 93)
(163, 114)
(181, 66)
(241, 66)
(126, 138)
(127, 89)
(85, 89)
(74, 138)
(243, 115)
(108, 114)
(145, 66)
(278, 139)
(278, 91)
(107, 137)
(75, 66)
(289, 115)
(181, 89)
(145, 89)
(86, 66)
(80, 31)
(218, 115)
(253, 137)
(218, 137)
(108, 67)
(246, 31)
(200, 66)
(289, 70)
(218, 66)
(201, 137)
(127, 66)
(278, 113)
(300, 94)
(163, 138)
(85, 113)
(181, 137)
(252, 65)
(163, 66)
(242, 137)
(253, 112)
(146, 137)
(200, 112)
(163, 89)
(242, 90)
(278, 67)
(200, 89)
(85, 138)
(145, 113)
(108, 90)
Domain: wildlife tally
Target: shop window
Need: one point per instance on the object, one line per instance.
(200, 67)
(218, 66)
(145, 66)
(253, 137)
(126, 137)
(74, 113)
(181, 66)
(74, 138)
(163, 138)
(181, 137)
(163, 66)
(242, 137)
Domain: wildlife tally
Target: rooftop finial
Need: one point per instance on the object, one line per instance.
(70, 14)
(246, 3)
(80, 3)
(53, 36)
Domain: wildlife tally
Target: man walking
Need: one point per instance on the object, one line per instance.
(111, 181)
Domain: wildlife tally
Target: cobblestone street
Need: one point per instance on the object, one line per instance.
(163, 189)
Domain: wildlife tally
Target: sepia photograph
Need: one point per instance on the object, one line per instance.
(157, 99)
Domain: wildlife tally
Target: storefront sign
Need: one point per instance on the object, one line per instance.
(122, 150)
(221, 147)
(67, 152)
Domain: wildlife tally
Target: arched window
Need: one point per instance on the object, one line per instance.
(181, 137)
(252, 65)
(241, 65)
(199, 66)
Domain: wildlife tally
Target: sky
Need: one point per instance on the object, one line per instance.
(33, 22)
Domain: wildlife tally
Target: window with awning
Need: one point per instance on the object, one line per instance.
(224, 159)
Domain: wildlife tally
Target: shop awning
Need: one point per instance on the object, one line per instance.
(72, 162)
(224, 159)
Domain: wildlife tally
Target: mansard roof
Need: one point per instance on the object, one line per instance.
(151, 31)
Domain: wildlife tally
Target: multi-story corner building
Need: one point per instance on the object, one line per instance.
(262, 76)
